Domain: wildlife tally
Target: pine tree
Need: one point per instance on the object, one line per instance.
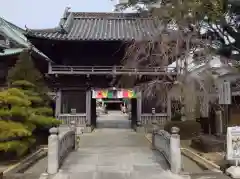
(24, 69)
(41, 113)
(23, 107)
(15, 125)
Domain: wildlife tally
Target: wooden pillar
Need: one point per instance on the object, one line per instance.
(58, 102)
(88, 107)
(93, 112)
(49, 67)
(133, 112)
(169, 107)
(139, 105)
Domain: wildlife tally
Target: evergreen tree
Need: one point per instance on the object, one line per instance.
(41, 113)
(24, 69)
(15, 125)
(23, 108)
(218, 18)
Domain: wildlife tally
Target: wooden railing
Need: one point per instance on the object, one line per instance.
(104, 70)
(80, 119)
(159, 118)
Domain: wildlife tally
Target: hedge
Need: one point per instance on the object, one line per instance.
(188, 129)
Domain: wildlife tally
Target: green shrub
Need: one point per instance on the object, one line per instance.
(44, 121)
(19, 113)
(14, 100)
(30, 92)
(23, 84)
(16, 92)
(36, 100)
(29, 126)
(176, 117)
(5, 114)
(13, 97)
(13, 129)
(20, 147)
(43, 111)
(188, 129)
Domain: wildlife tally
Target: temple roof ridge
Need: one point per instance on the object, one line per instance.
(101, 26)
(113, 15)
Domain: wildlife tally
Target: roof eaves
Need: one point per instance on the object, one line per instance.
(13, 51)
(41, 54)
(64, 26)
(13, 34)
(13, 26)
(17, 34)
(3, 46)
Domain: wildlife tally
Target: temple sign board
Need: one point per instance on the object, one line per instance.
(225, 93)
(233, 143)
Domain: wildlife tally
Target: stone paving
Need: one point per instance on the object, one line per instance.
(114, 153)
(209, 176)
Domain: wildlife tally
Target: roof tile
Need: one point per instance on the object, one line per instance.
(102, 26)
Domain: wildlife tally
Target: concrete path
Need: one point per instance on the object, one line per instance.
(114, 151)
(114, 119)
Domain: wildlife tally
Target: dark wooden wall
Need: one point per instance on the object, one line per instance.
(80, 81)
(6, 62)
(102, 53)
(73, 99)
(151, 102)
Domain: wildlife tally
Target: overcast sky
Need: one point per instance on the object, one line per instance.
(47, 13)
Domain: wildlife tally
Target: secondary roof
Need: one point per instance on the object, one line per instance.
(16, 35)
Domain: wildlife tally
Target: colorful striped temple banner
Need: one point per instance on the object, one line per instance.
(113, 94)
(127, 94)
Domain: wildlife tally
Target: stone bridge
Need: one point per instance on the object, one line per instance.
(113, 150)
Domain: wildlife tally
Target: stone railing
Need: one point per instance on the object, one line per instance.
(80, 119)
(148, 121)
(59, 146)
(169, 146)
(159, 118)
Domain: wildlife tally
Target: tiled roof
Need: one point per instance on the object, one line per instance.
(17, 36)
(101, 26)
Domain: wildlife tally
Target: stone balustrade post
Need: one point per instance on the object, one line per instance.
(175, 151)
(53, 151)
(74, 128)
(153, 138)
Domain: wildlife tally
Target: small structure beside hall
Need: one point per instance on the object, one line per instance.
(12, 42)
(203, 81)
